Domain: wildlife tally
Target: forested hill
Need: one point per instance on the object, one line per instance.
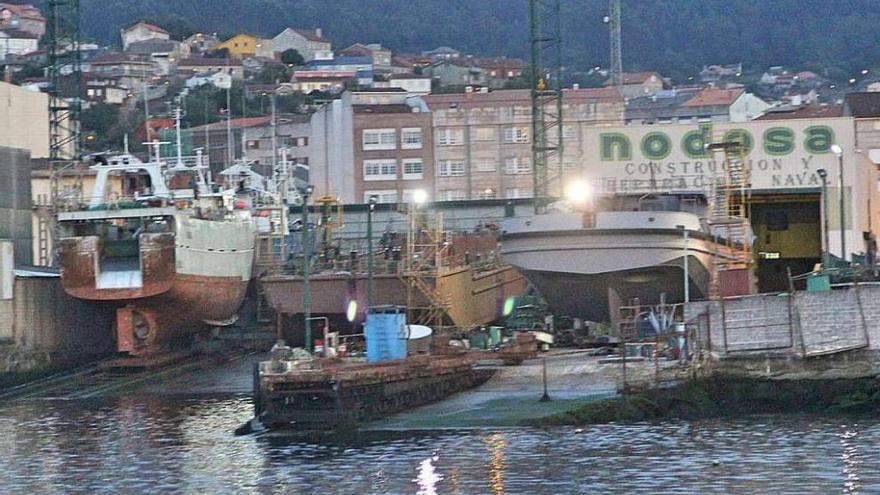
(675, 36)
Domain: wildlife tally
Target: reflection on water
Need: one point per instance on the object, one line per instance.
(159, 445)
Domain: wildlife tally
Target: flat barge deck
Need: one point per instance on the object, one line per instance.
(328, 395)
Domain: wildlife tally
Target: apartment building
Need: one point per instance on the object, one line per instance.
(373, 142)
(483, 142)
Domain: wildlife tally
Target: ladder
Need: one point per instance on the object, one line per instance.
(729, 210)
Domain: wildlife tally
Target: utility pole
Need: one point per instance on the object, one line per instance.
(306, 261)
(616, 38)
(546, 90)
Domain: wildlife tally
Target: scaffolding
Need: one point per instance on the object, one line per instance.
(730, 209)
(616, 42)
(546, 91)
(426, 249)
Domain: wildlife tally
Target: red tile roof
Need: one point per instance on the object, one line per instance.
(25, 11)
(637, 77)
(806, 112)
(148, 26)
(714, 97)
(241, 123)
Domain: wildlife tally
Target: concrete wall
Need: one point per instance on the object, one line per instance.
(15, 201)
(24, 120)
(43, 327)
(807, 324)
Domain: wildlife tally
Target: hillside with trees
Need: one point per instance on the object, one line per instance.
(675, 37)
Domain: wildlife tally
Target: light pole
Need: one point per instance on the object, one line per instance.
(823, 174)
(685, 265)
(837, 150)
(372, 201)
(306, 262)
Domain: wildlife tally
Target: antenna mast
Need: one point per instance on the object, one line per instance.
(614, 27)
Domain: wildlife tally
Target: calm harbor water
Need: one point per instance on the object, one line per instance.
(163, 445)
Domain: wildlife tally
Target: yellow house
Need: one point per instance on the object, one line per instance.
(245, 45)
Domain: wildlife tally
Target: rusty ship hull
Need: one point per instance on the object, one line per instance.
(164, 283)
(474, 297)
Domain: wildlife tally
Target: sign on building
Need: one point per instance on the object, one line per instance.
(780, 154)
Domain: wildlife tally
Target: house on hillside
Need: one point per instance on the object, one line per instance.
(208, 66)
(25, 17)
(414, 84)
(381, 56)
(332, 81)
(201, 43)
(246, 45)
(499, 70)
(442, 52)
(140, 31)
(455, 72)
(164, 53)
(17, 42)
(636, 84)
(132, 71)
(310, 43)
(693, 106)
(716, 72)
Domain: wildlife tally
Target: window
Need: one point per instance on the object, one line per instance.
(380, 170)
(412, 138)
(380, 139)
(298, 141)
(412, 168)
(516, 192)
(383, 196)
(450, 137)
(486, 193)
(516, 135)
(485, 164)
(569, 131)
(454, 195)
(517, 165)
(484, 134)
(450, 168)
(253, 144)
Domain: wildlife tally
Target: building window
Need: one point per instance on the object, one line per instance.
(380, 139)
(253, 144)
(450, 168)
(516, 192)
(569, 131)
(450, 137)
(485, 165)
(484, 134)
(454, 195)
(298, 141)
(516, 135)
(380, 170)
(412, 168)
(486, 193)
(411, 138)
(517, 165)
(382, 196)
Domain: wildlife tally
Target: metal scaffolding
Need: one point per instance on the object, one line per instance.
(616, 39)
(63, 46)
(546, 83)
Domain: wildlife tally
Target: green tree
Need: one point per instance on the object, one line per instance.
(274, 73)
(292, 57)
(97, 123)
(218, 53)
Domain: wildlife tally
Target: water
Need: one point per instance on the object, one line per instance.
(162, 445)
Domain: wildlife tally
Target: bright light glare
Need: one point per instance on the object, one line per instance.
(420, 197)
(836, 149)
(351, 311)
(579, 191)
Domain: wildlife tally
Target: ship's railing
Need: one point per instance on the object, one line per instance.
(392, 262)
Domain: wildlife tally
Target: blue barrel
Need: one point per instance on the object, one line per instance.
(385, 330)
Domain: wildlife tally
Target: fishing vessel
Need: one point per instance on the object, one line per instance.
(171, 250)
(587, 263)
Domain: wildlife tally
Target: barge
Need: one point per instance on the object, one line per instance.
(327, 395)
